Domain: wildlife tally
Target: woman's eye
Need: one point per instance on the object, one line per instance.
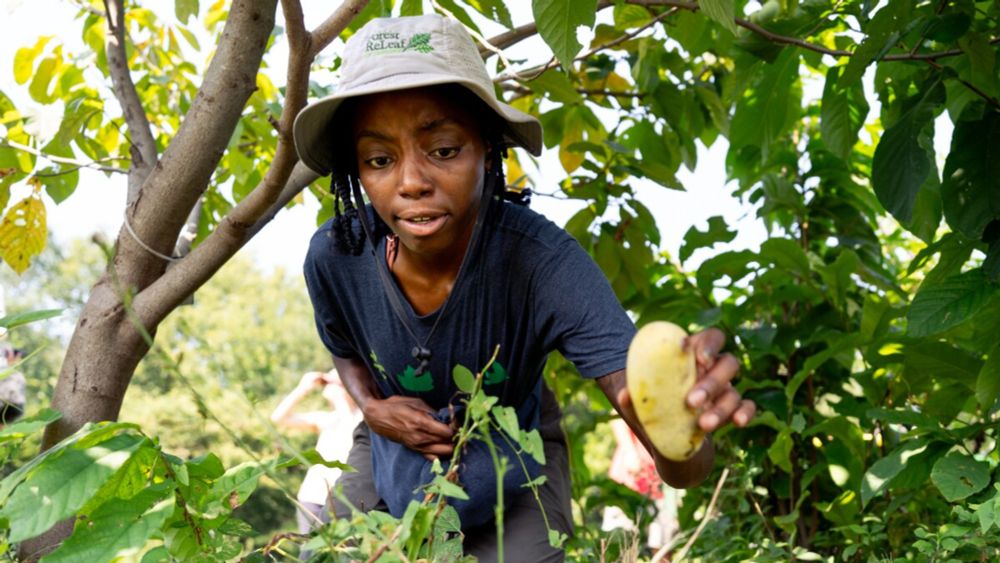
(378, 161)
(446, 152)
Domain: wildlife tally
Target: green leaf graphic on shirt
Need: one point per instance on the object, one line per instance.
(496, 374)
(378, 366)
(413, 382)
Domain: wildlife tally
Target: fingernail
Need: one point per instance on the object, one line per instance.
(707, 353)
(697, 397)
(710, 420)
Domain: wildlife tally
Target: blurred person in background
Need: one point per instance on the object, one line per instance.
(334, 426)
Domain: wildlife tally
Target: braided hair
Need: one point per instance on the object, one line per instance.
(348, 234)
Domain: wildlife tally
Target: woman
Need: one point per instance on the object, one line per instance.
(333, 426)
(441, 271)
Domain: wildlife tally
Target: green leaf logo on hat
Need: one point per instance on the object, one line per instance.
(420, 42)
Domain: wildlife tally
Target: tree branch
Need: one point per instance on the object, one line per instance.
(797, 42)
(77, 164)
(326, 32)
(264, 201)
(143, 148)
(509, 38)
(156, 302)
(295, 24)
(538, 71)
(183, 172)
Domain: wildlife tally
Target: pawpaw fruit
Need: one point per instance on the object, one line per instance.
(660, 372)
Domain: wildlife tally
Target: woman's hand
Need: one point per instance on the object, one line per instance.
(713, 392)
(312, 380)
(409, 421)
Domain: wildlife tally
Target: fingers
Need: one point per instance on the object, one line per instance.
(745, 413)
(720, 411)
(714, 382)
(706, 345)
(434, 451)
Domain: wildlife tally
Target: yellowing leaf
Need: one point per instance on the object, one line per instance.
(572, 134)
(515, 174)
(24, 60)
(22, 233)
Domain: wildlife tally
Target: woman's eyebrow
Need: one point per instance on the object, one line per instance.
(436, 124)
(373, 134)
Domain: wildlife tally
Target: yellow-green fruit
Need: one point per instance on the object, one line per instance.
(660, 374)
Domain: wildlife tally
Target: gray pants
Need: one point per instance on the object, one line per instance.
(525, 537)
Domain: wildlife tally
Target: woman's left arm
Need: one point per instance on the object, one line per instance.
(713, 394)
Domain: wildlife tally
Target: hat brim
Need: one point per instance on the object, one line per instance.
(311, 124)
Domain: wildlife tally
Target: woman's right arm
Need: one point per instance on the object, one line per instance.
(407, 420)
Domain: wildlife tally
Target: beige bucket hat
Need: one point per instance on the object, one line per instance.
(407, 52)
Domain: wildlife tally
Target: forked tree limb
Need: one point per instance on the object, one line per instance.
(143, 149)
(265, 200)
(186, 166)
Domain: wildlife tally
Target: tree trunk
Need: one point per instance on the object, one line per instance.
(103, 354)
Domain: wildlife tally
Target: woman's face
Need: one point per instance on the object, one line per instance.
(421, 161)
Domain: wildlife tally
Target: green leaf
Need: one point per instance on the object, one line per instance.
(464, 380)
(531, 442)
(988, 382)
(59, 184)
(879, 477)
(18, 319)
(781, 450)
(442, 486)
(717, 231)
(185, 9)
(29, 425)
(119, 528)
(958, 475)
(948, 303)
(942, 362)
(455, 10)
(882, 33)
(557, 85)
(721, 11)
(313, 457)
(901, 162)
(506, 418)
(787, 254)
(947, 28)
(493, 10)
(557, 22)
(763, 114)
(969, 183)
(837, 276)
(842, 113)
(411, 8)
(63, 483)
(239, 482)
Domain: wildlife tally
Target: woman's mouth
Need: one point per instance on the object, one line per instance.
(422, 225)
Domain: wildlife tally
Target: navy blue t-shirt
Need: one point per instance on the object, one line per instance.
(527, 286)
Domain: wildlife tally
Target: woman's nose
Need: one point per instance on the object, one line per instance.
(413, 182)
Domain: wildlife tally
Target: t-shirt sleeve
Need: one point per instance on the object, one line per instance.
(578, 313)
(328, 315)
